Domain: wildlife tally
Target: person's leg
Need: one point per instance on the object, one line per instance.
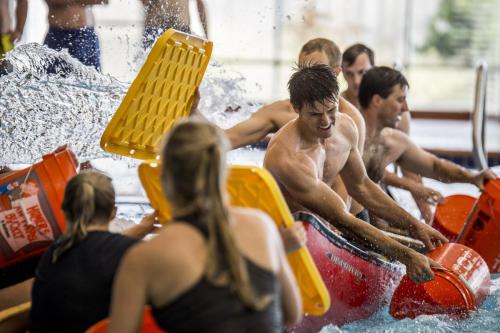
(87, 49)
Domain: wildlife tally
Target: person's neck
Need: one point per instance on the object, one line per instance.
(351, 98)
(307, 138)
(373, 129)
(99, 225)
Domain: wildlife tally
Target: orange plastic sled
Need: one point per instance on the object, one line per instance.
(451, 214)
(162, 92)
(30, 201)
(148, 325)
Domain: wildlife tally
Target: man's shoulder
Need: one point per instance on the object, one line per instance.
(394, 137)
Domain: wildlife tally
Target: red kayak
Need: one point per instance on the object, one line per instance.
(360, 282)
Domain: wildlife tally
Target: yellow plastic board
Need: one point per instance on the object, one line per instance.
(162, 93)
(254, 187)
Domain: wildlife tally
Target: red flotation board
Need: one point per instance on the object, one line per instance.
(460, 287)
(359, 282)
(30, 207)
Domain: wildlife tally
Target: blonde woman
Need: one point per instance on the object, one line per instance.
(214, 268)
(72, 288)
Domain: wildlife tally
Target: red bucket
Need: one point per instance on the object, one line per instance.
(148, 325)
(30, 207)
(482, 231)
(451, 214)
(457, 289)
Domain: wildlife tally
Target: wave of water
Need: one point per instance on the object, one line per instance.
(49, 99)
(485, 320)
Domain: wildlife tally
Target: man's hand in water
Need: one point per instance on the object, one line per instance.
(418, 268)
(294, 237)
(479, 178)
(427, 194)
(428, 235)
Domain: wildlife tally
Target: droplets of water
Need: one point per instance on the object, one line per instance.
(223, 96)
(50, 99)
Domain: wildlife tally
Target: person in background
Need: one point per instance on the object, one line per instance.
(72, 287)
(356, 60)
(164, 14)
(307, 154)
(214, 268)
(71, 27)
(382, 96)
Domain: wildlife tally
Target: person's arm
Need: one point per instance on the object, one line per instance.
(21, 13)
(251, 130)
(371, 196)
(298, 177)
(412, 183)
(202, 12)
(144, 227)
(129, 292)
(291, 301)
(425, 164)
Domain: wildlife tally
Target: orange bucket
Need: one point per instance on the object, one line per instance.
(482, 231)
(457, 289)
(30, 207)
(148, 324)
(451, 214)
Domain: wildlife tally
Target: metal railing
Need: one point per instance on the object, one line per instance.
(479, 117)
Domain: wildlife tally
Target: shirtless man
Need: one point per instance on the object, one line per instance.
(356, 60)
(382, 96)
(272, 117)
(71, 26)
(308, 153)
(163, 14)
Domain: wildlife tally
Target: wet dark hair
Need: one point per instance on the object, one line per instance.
(379, 81)
(312, 83)
(353, 52)
(331, 50)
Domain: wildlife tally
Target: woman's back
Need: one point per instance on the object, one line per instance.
(75, 292)
(184, 301)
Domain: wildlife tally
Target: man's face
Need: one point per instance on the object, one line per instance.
(391, 108)
(319, 118)
(354, 73)
(316, 57)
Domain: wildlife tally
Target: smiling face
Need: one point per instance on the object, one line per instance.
(319, 119)
(354, 73)
(391, 108)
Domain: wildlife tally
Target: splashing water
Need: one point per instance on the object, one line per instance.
(49, 99)
(485, 320)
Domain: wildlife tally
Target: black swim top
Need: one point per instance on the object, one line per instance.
(207, 308)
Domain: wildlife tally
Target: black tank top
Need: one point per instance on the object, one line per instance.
(207, 308)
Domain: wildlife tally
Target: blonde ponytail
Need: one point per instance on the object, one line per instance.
(193, 178)
(88, 195)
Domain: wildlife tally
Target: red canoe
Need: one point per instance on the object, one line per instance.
(359, 282)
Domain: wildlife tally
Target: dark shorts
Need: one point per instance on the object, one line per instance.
(364, 215)
(82, 44)
(152, 33)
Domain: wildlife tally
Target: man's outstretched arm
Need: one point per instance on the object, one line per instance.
(421, 162)
(299, 180)
(371, 196)
(252, 130)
